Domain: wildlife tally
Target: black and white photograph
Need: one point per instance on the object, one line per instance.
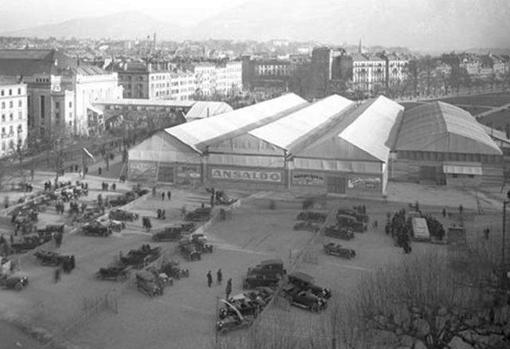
(254, 174)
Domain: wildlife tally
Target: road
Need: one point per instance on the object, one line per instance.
(11, 337)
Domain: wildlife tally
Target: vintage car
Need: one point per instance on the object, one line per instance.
(96, 228)
(173, 233)
(339, 251)
(222, 199)
(198, 215)
(307, 225)
(114, 225)
(305, 282)
(148, 283)
(189, 250)
(316, 217)
(243, 304)
(14, 282)
(29, 242)
(359, 216)
(339, 232)
(50, 258)
(122, 215)
(141, 257)
(116, 273)
(272, 267)
(347, 221)
(201, 243)
(304, 298)
(172, 270)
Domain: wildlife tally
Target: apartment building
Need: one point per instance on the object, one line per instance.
(13, 122)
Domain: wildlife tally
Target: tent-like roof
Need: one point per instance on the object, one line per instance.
(200, 133)
(442, 127)
(363, 133)
(201, 110)
(304, 123)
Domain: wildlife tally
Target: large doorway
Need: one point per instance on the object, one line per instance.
(336, 184)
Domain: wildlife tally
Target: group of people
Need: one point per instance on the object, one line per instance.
(219, 279)
(105, 186)
(161, 214)
(146, 223)
(399, 229)
(67, 265)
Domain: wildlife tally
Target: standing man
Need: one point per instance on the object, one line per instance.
(169, 195)
(162, 196)
(209, 279)
(228, 289)
(219, 276)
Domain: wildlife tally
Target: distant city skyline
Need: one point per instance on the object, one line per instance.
(431, 25)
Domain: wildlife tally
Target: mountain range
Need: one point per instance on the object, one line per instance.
(426, 25)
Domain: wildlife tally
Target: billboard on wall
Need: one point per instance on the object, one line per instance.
(186, 171)
(247, 175)
(364, 183)
(142, 170)
(308, 179)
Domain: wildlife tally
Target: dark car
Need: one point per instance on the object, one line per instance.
(306, 282)
(51, 228)
(241, 303)
(359, 216)
(339, 251)
(189, 250)
(272, 267)
(14, 282)
(50, 258)
(198, 215)
(316, 217)
(116, 273)
(307, 225)
(122, 215)
(149, 284)
(339, 232)
(29, 242)
(96, 229)
(304, 298)
(168, 234)
(201, 243)
(141, 257)
(346, 221)
(252, 281)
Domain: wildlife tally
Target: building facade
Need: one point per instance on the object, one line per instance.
(13, 122)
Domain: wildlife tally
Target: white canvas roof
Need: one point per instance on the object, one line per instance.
(205, 109)
(371, 129)
(197, 133)
(286, 131)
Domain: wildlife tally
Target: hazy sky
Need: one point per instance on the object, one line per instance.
(183, 11)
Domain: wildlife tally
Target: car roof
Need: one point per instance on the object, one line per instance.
(271, 261)
(301, 276)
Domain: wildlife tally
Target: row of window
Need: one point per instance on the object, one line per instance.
(11, 130)
(2, 92)
(11, 116)
(11, 104)
(436, 156)
(57, 105)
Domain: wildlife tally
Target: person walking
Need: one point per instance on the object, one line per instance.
(162, 196)
(153, 191)
(209, 279)
(219, 276)
(228, 289)
(169, 195)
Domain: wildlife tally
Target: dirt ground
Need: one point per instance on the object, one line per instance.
(184, 317)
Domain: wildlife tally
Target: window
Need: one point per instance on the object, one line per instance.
(20, 103)
(70, 123)
(10, 92)
(11, 130)
(2, 92)
(20, 115)
(11, 117)
(42, 107)
(11, 104)
(19, 91)
(3, 130)
(3, 105)
(70, 104)
(3, 117)
(57, 115)
(57, 105)
(20, 128)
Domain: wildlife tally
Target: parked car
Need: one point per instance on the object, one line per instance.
(201, 243)
(316, 217)
(339, 251)
(198, 215)
(347, 221)
(307, 225)
(149, 284)
(96, 228)
(189, 250)
(305, 282)
(122, 215)
(304, 298)
(271, 267)
(50, 258)
(116, 273)
(357, 214)
(14, 282)
(141, 257)
(339, 232)
(173, 233)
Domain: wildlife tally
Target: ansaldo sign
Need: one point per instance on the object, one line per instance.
(247, 175)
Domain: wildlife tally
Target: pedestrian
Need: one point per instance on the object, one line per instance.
(209, 279)
(162, 196)
(228, 289)
(444, 212)
(169, 195)
(99, 171)
(114, 186)
(73, 262)
(219, 276)
(57, 274)
(153, 191)
(461, 209)
(158, 212)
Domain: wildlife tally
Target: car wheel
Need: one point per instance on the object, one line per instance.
(315, 308)
(18, 286)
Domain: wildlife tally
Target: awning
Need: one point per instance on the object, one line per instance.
(471, 169)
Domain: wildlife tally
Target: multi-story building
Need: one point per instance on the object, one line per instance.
(324, 68)
(183, 85)
(13, 122)
(60, 90)
(268, 73)
(229, 78)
